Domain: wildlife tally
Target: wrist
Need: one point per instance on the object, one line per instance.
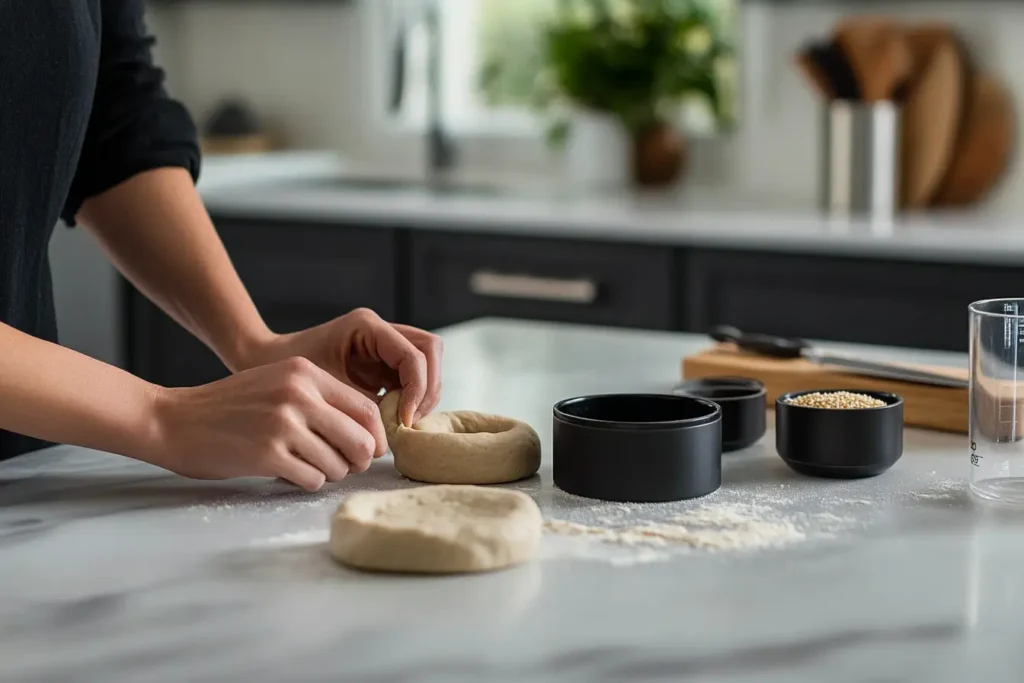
(252, 349)
(152, 442)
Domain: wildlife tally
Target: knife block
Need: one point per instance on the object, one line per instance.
(928, 407)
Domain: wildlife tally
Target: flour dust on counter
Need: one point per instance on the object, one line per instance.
(949, 492)
(277, 497)
(759, 516)
(293, 538)
(711, 527)
(739, 519)
(760, 508)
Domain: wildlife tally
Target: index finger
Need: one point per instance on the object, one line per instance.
(360, 408)
(401, 355)
(432, 348)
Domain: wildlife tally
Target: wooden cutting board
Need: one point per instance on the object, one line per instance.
(986, 144)
(937, 408)
(932, 112)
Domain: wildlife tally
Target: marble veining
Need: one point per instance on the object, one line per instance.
(115, 571)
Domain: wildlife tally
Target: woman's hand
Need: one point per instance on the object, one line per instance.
(289, 419)
(369, 354)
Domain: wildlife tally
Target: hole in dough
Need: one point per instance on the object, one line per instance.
(461, 447)
(465, 422)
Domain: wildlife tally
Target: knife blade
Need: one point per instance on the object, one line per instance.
(786, 347)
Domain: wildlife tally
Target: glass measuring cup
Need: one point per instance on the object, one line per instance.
(997, 399)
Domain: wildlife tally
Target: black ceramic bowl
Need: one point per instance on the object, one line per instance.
(840, 443)
(743, 407)
(638, 447)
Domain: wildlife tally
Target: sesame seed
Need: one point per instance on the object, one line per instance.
(836, 400)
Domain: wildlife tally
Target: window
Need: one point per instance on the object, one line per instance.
(482, 38)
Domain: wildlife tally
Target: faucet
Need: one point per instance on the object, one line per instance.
(441, 151)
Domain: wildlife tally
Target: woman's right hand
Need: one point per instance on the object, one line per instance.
(289, 419)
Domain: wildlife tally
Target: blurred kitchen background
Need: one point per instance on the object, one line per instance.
(563, 169)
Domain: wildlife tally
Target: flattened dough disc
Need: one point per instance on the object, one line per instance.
(461, 447)
(436, 530)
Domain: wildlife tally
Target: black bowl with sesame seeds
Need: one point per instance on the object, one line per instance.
(839, 434)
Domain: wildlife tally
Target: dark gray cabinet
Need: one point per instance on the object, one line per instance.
(844, 299)
(458, 276)
(298, 275)
(303, 275)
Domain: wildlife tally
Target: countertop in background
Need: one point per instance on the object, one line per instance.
(223, 171)
(115, 571)
(292, 187)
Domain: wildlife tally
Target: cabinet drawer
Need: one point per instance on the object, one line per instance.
(457, 277)
(843, 299)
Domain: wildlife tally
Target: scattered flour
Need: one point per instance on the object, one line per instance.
(276, 497)
(716, 527)
(945, 489)
(829, 518)
(299, 538)
(729, 514)
(566, 546)
(756, 515)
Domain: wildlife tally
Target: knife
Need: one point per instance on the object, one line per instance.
(784, 347)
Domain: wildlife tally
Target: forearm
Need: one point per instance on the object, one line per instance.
(55, 394)
(157, 232)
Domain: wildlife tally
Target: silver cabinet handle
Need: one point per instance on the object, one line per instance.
(489, 283)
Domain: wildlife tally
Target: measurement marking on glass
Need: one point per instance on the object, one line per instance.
(975, 458)
(1011, 328)
(1010, 309)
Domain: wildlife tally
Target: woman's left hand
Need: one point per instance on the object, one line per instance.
(369, 354)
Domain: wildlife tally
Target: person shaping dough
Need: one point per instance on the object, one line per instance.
(460, 447)
(88, 134)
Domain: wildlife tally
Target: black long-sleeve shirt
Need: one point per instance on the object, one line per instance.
(82, 109)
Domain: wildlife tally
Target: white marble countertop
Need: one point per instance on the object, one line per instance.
(292, 187)
(115, 571)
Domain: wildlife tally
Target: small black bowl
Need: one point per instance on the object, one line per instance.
(637, 447)
(743, 407)
(837, 443)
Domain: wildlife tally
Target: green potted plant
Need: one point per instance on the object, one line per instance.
(635, 62)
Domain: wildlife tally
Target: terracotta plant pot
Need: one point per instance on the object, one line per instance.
(659, 153)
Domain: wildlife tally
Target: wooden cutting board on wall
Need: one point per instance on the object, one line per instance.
(986, 145)
(932, 112)
(938, 408)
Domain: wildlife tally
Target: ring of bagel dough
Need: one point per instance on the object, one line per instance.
(436, 530)
(460, 447)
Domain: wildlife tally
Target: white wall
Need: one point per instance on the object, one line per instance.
(295, 63)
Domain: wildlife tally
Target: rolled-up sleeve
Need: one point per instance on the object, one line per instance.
(134, 125)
